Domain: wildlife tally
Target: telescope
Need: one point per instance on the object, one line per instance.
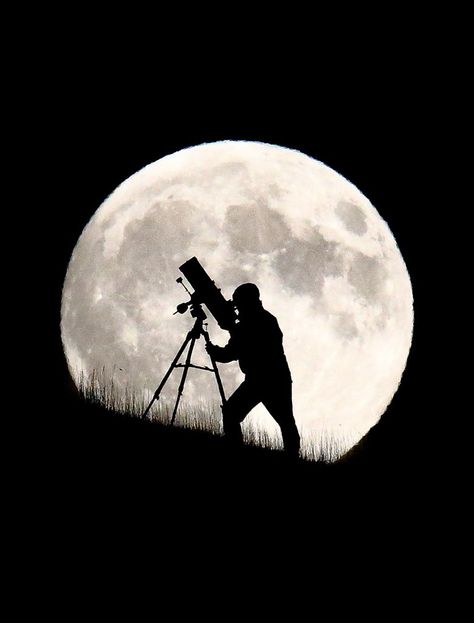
(205, 293)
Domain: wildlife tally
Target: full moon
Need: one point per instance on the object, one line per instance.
(325, 262)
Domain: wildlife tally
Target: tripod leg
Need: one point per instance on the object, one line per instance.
(216, 371)
(157, 393)
(183, 379)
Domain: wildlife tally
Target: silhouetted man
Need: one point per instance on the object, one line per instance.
(257, 343)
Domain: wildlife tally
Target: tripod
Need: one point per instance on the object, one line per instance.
(193, 335)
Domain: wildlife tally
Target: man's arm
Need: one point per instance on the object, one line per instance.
(223, 354)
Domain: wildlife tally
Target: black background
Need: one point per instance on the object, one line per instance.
(375, 118)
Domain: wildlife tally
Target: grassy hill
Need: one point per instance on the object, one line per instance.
(86, 444)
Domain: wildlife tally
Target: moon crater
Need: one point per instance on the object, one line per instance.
(255, 228)
(352, 216)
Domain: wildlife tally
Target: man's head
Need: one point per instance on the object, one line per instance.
(247, 298)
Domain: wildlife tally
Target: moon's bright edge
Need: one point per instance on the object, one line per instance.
(325, 262)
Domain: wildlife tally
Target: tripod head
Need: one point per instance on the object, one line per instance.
(193, 305)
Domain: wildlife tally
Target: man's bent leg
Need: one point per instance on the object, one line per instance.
(237, 407)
